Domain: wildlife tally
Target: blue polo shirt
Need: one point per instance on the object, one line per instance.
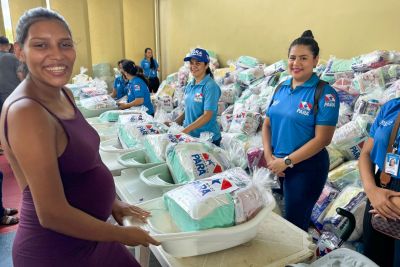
(291, 115)
(119, 85)
(137, 88)
(381, 130)
(149, 73)
(199, 98)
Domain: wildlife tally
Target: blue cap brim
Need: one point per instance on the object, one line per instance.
(199, 59)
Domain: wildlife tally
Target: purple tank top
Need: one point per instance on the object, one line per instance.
(88, 186)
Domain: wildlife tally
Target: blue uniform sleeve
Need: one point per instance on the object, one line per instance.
(129, 92)
(116, 82)
(142, 63)
(328, 107)
(138, 90)
(212, 93)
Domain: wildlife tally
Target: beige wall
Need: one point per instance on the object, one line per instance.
(138, 28)
(76, 14)
(106, 31)
(18, 7)
(265, 28)
(2, 28)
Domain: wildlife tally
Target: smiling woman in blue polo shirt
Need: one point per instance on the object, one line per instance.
(382, 249)
(137, 88)
(295, 137)
(201, 98)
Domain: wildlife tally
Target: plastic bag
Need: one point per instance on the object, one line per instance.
(335, 157)
(236, 145)
(279, 66)
(99, 102)
(250, 75)
(318, 213)
(245, 122)
(247, 62)
(195, 160)
(132, 134)
(370, 61)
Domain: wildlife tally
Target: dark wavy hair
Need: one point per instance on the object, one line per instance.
(34, 15)
(152, 63)
(307, 39)
(130, 67)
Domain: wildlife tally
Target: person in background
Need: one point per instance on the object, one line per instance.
(150, 67)
(201, 98)
(8, 82)
(294, 137)
(67, 192)
(137, 88)
(120, 82)
(382, 249)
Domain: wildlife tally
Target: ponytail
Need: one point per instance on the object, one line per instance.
(130, 67)
(208, 71)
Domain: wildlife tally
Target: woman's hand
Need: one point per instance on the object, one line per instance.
(134, 236)
(277, 166)
(385, 202)
(122, 209)
(122, 105)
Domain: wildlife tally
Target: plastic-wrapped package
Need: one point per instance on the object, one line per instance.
(222, 200)
(377, 79)
(279, 66)
(370, 61)
(349, 135)
(318, 213)
(255, 158)
(229, 93)
(195, 160)
(236, 145)
(342, 170)
(156, 145)
(345, 114)
(183, 75)
(344, 84)
(131, 134)
(335, 157)
(113, 115)
(178, 96)
(135, 116)
(166, 88)
(226, 118)
(247, 62)
(334, 66)
(81, 78)
(176, 112)
(248, 76)
(165, 102)
(91, 91)
(352, 177)
(352, 199)
(392, 92)
(245, 122)
(99, 102)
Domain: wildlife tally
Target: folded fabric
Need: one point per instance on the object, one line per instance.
(208, 203)
(195, 160)
(279, 66)
(250, 75)
(132, 134)
(247, 62)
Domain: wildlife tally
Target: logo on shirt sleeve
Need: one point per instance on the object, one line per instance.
(304, 108)
(137, 87)
(330, 101)
(198, 97)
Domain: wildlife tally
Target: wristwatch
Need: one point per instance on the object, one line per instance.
(288, 162)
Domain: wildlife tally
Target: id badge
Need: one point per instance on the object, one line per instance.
(392, 162)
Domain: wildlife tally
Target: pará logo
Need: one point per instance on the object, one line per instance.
(198, 97)
(330, 101)
(197, 53)
(137, 87)
(304, 108)
(204, 164)
(385, 123)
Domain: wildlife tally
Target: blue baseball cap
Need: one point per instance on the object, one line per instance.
(199, 54)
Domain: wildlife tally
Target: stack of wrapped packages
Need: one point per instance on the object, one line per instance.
(91, 95)
(363, 83)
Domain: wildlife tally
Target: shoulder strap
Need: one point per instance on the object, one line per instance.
(317, 95)
(14, 101)
(275, 91)
(385, 177)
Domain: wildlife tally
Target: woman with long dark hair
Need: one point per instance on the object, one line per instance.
(150, 68)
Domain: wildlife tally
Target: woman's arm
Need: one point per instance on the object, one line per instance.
(323, 137)
(136, 102)
(34, 141)
(202, 120)
(266, 139)
(380, 198)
